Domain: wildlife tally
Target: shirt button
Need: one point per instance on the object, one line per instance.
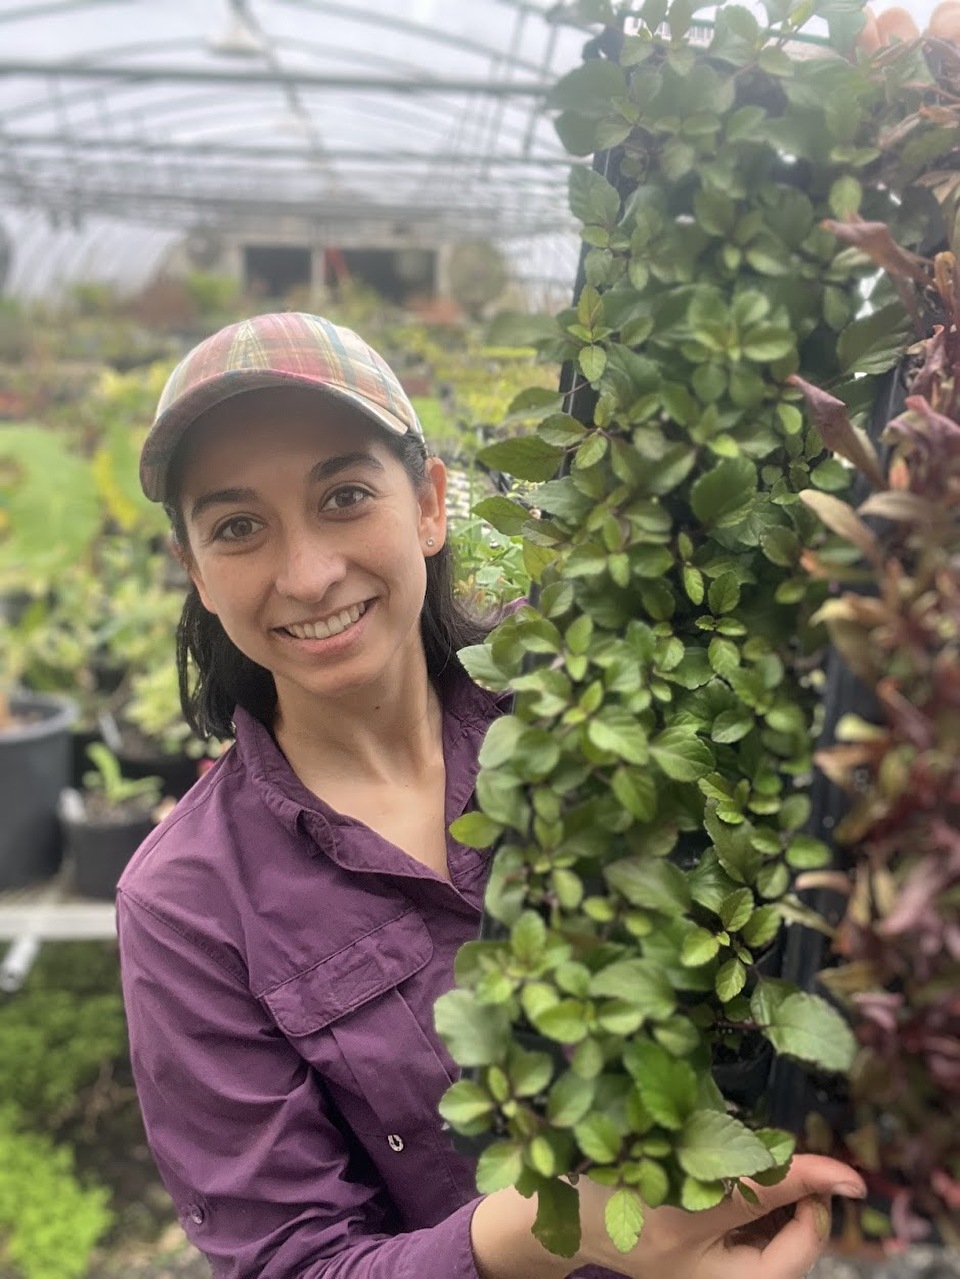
(197, 1215)
(395, 1142)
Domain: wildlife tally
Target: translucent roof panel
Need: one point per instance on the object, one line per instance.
(412, 120)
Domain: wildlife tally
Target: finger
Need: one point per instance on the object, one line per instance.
(897, 24)
(945, 21)
(808, 1175)
(869, 38)
(791, 1252)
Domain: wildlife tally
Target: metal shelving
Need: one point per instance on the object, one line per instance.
(44, 912)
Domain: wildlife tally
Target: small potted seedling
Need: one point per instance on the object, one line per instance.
(106, 822)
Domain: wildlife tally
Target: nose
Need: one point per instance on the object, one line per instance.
(309, 565)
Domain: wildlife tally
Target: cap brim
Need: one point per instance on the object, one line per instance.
(170, 427)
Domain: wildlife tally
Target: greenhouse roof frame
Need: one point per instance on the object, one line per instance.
(405, 118)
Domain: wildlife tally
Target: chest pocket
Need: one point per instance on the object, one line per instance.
(347, 1017)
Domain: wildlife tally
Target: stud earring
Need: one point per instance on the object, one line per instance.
(430, 541)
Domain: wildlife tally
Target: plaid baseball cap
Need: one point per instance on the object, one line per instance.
(288, 348)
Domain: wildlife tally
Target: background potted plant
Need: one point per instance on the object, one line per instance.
(106, 822)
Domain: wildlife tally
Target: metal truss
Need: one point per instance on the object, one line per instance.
(353, 118)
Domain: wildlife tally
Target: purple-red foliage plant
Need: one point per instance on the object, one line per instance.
(897, 947)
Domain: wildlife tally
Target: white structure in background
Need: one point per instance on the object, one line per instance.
(280, 141)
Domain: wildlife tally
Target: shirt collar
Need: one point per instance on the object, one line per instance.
(468, 710)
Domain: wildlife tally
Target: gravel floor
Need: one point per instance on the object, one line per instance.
(178, 1260)
(919, 1263)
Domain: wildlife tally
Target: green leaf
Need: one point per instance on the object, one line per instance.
(570, 1099)
(464, 1103)
(623, 1218)
(805, 853)
(763, 926)
(767, 342)
(621, 734)
(475, 1034)
(638, 982)
(592, 198)
(845, 196)
(681, 755)
(564, 1022)
(714, 1146)
(832, 475)
(501, 742)
(526, 457)
(736, 908)
(593, 361)
(731, 726)
(637, 792)
(699, 947)
(693, 584)
(557, 1224)
(589, 90)
(528, 937)
(530, 1072)
(499, 1166)
(724, 656)
(697, 1196)
(874, 343)
(806, 1027)
(476, 830)
(781, 546)
(561, 430)
(667, 1085)
(598, 1137)
(730, 980)
(773, 880)
(724, 593)
(725, 496)
(650, 883)
(477, 660)
(505, 516)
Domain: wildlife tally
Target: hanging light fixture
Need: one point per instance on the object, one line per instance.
(240, 37)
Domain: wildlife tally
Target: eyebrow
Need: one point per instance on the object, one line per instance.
(322, 471)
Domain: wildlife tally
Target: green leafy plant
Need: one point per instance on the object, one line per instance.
(63, 1037)
(650, 794)
(152, 711)
(107, 783)
(49, 1221)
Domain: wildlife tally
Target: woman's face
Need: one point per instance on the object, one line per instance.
(308, 538)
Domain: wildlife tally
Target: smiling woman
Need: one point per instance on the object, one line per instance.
(286, 931)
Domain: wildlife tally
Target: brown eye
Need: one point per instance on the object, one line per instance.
(346, 497)
(236, 529)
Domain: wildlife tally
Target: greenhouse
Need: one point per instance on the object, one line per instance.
(479, 639)
(279, 141)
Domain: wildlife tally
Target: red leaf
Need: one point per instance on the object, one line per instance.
(842, 519)
(876, 240)
(838, 433)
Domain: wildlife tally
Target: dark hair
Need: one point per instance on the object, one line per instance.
(215, 677)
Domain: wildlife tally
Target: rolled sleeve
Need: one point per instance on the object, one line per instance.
(265, 1179)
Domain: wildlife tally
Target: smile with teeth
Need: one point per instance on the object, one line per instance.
(332, 625)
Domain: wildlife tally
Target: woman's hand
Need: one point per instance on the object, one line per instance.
(897, 24)
(735, 1240)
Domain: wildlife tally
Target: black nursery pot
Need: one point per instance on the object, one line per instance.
(34, 769)
(177, 772)
(99, 851)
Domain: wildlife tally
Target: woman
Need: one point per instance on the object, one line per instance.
(286, 930)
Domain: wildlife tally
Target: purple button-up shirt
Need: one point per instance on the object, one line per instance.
(280, 963)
